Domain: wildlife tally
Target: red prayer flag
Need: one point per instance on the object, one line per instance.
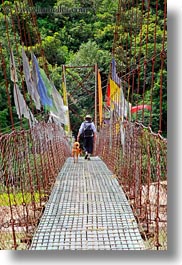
(140, 107)
(108, 100)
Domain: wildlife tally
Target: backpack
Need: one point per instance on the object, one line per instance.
(88, 131)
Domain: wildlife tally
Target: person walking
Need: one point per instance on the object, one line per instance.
(88, 131)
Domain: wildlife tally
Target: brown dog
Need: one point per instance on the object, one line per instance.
(76, 151)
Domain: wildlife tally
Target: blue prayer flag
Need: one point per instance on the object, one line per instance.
(44, 98)
(115, 76)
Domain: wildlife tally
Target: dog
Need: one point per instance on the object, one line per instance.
(76, 151)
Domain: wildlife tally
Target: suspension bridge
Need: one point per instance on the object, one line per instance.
(118, 199)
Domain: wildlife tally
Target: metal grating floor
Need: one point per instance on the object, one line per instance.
(87, 210)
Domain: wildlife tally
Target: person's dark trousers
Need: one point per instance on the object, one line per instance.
(88, 144)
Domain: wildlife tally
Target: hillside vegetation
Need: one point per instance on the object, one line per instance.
(80, 32)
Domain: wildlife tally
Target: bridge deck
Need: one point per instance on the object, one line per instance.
(87, 210)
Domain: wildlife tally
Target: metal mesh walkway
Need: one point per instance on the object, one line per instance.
(87, 210)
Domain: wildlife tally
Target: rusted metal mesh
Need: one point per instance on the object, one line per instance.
(140, 165)
(29, 163)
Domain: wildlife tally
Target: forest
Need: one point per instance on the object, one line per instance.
(78, 33)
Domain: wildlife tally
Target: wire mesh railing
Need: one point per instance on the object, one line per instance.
(29, 163)
(140, 165)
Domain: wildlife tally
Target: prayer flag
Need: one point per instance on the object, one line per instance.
(13, 72)
(21, 106)
(44, 98)
(140, 107)
(59, 105)
(114, 75)
(115, 93)
(100, 98)
(32, 89)
(65, 100)
(108, 99)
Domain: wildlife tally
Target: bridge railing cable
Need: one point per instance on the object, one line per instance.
(30, 161)
(31, 154)
(140, 165)
(134, 146)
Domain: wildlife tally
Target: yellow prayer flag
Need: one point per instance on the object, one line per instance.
(64, 94)
(115, 93)
(65, 101)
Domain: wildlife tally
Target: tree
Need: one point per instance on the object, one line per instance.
(55, 53)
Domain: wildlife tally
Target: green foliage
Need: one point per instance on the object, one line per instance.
(19, 198)
(54, 52)
(89, 54)
(81, 33)
(4, 118)
(141, 40)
